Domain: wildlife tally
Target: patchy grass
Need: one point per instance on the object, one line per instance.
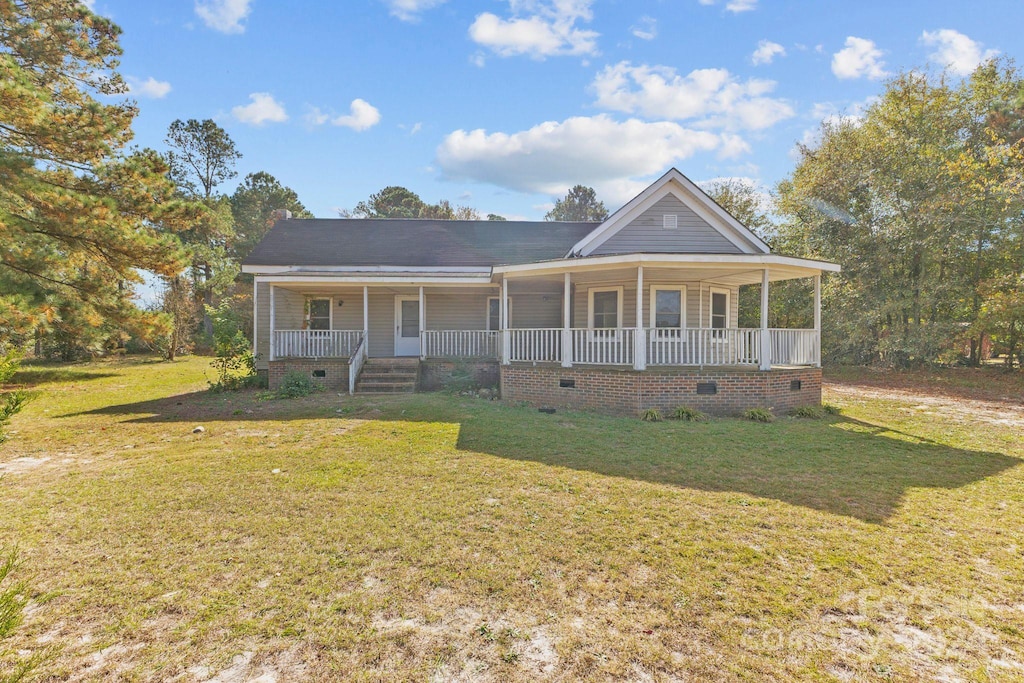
(431, 537)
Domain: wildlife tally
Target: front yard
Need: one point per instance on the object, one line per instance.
(430, 537)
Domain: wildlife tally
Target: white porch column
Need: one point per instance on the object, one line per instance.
(566, 323)
(817, 320)
(423, 326)
(366, 318)
(255, 318)
(273, 324)
(503, 314)
(766, 341)
(640, 340)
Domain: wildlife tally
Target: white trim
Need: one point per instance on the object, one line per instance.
(699, 202)
(711, 309)
(590, 306)
(654, 289)
(330, 310)
(481, 281)
(399, 298)
(487, 314)
(255, 321)
(278, 270)
(670, 221)
(671, 261)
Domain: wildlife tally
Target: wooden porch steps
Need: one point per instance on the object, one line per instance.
(388, 376)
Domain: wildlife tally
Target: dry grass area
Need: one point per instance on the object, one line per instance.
(429, 537)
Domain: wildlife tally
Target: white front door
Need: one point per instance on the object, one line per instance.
(407, 326)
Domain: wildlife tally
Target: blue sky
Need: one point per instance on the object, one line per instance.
(504, 104)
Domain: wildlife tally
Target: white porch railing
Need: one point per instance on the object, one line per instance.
(355, 364)
(603, 346)
(315, 343)
(795, 347)
(461, 343)
(702, 346)
(535, 344)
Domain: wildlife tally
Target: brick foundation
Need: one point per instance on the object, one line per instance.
(435, 373)
(335, 371)
(625, 391)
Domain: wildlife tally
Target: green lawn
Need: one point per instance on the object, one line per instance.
(430, 537)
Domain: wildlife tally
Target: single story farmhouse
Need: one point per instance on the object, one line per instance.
(639, 311)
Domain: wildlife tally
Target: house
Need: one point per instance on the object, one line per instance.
(638, 311)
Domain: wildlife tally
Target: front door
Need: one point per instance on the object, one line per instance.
(407, 326)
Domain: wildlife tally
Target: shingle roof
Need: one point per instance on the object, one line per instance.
(413, 242)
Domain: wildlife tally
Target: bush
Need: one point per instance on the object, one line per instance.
(651, 415)
(13, 401)
(460, 380)
(759, 415)
(810, 412)
(831, 409)
(235, 361)
(297, 384)
(688, 414)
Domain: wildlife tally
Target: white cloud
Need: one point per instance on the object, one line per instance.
(734, 6)
(224, 15)
(860, 58)
(410, 10)
(316, 117)
(538, 29)
(608, 155)
(646, 28)
(90, 5)
(148, 88)
(263, 108)
(362, 115)
(955, 50)
(766, 52)
(711, 97)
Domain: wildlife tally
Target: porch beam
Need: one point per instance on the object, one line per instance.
(766, 341)
(273, 323)
(423, 325)
(639, 342)
(817, 320)
(567, 321)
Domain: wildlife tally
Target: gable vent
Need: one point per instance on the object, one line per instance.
(671, 221)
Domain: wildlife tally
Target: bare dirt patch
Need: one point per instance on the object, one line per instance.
(1000, 412)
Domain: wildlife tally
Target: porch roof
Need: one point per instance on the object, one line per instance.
(737, 269)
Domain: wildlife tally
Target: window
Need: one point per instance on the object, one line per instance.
(668, 308)
(670, 221)
(605, 308)
(719, 309)
(494, 312)
(319, 314)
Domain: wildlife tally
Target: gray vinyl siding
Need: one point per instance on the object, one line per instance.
(648, 235)
(455, 309)
(694, 304)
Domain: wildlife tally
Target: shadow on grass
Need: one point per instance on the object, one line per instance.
(840, 466)
(34, 376)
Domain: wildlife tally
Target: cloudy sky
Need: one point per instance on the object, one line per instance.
(504, 104)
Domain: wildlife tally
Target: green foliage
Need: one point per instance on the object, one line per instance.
(460, 379)
(759, 415)
(11, 402)
(399, 202)
(495, 217)
(297, 384)
(202, 156)
(831, 409)
(235, 362)
(811, 412)
(253, 205)
(579, 204)
(85, 216)
(688, 414)
(920, 202)
(651, 415)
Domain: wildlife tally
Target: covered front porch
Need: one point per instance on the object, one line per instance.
(634, 312)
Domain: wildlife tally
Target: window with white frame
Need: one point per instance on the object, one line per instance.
(319, 314)
(719, 309)
(668, 308)
(605, 308)
(494, 312)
